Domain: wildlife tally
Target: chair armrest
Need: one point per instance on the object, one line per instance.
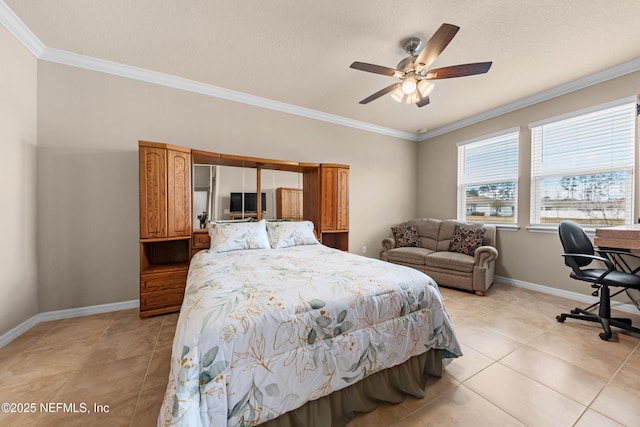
(485, 255)
(593, 257)
(388, 244)
(606, 261)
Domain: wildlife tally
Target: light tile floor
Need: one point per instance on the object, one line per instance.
(520, 367)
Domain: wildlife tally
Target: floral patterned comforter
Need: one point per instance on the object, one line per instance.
(263, 331)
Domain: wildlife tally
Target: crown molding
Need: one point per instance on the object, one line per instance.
(16, 27)
(602, 76)
(130, 72)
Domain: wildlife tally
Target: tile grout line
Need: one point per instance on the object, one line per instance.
(42, 337)
(493, 404)
(609, 382)
(78, 367)
(144, 380)
(586, 407)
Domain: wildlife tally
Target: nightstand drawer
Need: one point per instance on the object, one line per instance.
(163, 281)
(154, 300)
(201, 241)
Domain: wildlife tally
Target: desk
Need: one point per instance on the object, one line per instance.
(620, 237)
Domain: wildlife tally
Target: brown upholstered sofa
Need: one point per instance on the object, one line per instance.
(446, 263)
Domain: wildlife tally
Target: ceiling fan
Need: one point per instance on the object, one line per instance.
(414, 86)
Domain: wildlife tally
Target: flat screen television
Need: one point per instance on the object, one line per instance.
(250, 202)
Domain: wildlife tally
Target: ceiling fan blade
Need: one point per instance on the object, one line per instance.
(379, 93)
(424, 100)
(458, 71)
(436, 44)
(372, 68)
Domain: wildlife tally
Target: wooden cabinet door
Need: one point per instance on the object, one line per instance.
(342, 199)
(153, 192)
(298, 203)
(289, 203)
(335, 198)
(328, 198)
(178, 193)
(292, 204)
(283, 206)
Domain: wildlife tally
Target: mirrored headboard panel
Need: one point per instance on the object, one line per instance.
(235, 187)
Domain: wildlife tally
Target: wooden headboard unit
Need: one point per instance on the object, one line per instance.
(168, 239)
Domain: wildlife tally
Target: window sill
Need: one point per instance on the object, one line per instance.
(539, 228)
(542, 228)
(507, 227)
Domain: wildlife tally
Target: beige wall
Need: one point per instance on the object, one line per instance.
(88, 127)
(525, 256)
(18, 278)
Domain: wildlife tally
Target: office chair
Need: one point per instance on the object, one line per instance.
(579, 254)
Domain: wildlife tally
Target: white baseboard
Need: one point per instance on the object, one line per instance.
(14, 333)
(85, 311)
(588, 299)
(64, 314)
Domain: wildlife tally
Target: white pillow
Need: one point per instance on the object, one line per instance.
(237, 236)
(285, 234)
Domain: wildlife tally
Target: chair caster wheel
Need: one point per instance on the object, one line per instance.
(604, 336)
(561, 318)
(575, 311)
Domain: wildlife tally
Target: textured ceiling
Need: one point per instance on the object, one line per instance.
(299, 52)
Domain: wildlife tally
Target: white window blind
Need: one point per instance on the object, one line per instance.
(582, 166)
(488, 178)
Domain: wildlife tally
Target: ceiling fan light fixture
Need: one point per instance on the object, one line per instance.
(409, 85)
(397, 95)
(425, 87)
(413, 98)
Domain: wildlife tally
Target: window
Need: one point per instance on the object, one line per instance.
(488, 178)
(582, 166)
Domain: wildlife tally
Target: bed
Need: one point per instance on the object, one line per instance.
(286, 332)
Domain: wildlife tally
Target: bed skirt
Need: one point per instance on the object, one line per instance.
(391, 385)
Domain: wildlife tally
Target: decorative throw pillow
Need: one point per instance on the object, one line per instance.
(466, 240)
(235, 236)
(286, 234)
(406, 236)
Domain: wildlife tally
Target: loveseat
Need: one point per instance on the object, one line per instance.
(455, 254)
